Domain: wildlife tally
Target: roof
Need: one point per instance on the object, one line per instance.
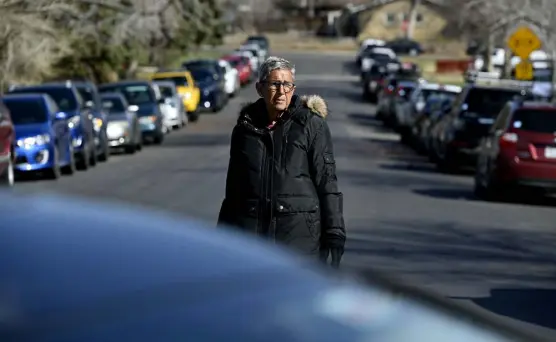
(438, 86)
(9, 96)
(112, 94)
(120, 83)
(164, 83)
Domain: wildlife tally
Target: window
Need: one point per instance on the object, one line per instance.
(113, 105)
(489, 102)
(419, 17)
(404, 17)
(27, 111)
(390, 18)
(64, 97)
(535, 120)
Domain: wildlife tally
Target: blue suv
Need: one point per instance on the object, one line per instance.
(43, 138)
(89, 92)
(79, 118)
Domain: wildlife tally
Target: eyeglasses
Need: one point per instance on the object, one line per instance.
(288, 86)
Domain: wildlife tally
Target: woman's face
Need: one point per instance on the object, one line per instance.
(277, 90)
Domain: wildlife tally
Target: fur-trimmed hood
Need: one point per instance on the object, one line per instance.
(314, 103)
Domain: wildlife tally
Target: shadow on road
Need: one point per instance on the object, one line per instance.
(351, 67)
(440, 255)
(197, 140)
(454, 194)
(367, 120)
(415, 167)
(537, 306)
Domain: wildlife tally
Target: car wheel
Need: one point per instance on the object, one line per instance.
(158, 139)
(193, 116)
(70, 168)
(130, 149)
(84, 162)
(7, 178)
(105, 151)
(93, 155)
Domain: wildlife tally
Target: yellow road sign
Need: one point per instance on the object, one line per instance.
(523, 41)
(524, 71)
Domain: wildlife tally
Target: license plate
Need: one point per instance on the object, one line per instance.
(550, 152)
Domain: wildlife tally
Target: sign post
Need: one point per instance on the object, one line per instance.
(522, 42)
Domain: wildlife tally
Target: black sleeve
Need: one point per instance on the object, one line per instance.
(326, 183)
(227, 212)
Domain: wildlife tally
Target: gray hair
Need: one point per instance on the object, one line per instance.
(275, 63)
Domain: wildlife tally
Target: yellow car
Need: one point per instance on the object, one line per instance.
(186, 88)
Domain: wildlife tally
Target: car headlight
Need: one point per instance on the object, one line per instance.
(98, 123)
(206, 92)
(74, 121)
(147, 119)
(36, 140)
(116, 128)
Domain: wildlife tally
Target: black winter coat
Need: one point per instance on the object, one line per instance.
(281, 182)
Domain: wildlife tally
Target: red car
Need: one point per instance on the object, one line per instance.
(243, 66)
(519, 151)
(7, 134)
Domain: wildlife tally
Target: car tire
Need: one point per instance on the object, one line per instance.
(193, 116)
(103, 157)
(84, 162)
(93, 155)
(158, 139)
(7, 178)
(71, 167)
(130, 149)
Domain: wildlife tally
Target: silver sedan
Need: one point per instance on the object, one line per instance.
(123, 125)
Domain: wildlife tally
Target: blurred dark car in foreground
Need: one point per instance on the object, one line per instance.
(70, 274)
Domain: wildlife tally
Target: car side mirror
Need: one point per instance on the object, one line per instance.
(60, 116)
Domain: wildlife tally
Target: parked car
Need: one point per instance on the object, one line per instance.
(436, 106)
(261, 54)
(379, 55)
(43, 138)
(172, 109)
(261, 41)
(186, 88)
(404, 46)
(7, 149)
(231, 78)
(374, 81)
(89, 93)
(213, 94)
(253, 59)
(472, 115)
(400, 101)
(124, 130)
(409, 112)
(143, 100)
(518, 152)
(80, 118)
(243, 67)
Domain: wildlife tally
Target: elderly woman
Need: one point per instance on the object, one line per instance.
(281, 181)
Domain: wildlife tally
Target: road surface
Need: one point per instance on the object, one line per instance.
(403, 217)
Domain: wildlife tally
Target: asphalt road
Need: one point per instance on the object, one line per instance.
(403, 217)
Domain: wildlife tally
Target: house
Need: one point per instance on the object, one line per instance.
(389, 20)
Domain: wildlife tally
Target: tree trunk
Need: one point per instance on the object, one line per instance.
(412, 18)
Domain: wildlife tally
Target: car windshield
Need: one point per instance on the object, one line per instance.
(166, 91)
(200, 65)
(135, 94)
(202, 75)
(64, 97)
(179, 81)
(86, 93)
(489, 102)
(113, 105)
(27, 111)
(438, 94)
(234, 62)
(536, 120)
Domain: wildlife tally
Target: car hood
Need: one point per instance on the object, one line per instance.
(147, 109)
(157, 271)
(24, 131)
(117, 117)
